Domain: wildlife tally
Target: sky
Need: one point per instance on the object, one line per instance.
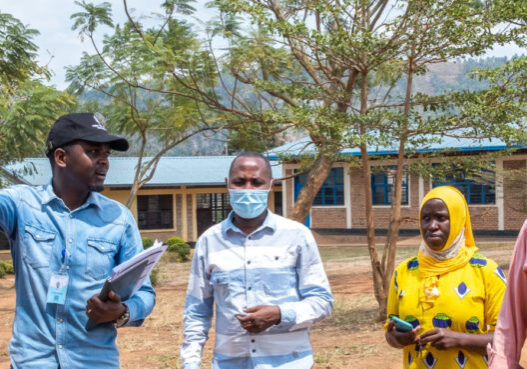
(60, 46)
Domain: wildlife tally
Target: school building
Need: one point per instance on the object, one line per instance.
(497, 203)
(185, 196)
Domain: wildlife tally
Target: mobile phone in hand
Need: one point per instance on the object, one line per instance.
(401, 325)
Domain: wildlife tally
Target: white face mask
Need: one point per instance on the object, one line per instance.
(248, 203)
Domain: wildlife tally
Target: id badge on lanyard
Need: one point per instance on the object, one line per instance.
(58, 285)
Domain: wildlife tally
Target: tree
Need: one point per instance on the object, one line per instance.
(343, 71)
(27, 106)
(134, 78)
(435, 31)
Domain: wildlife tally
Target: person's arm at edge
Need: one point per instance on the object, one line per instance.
(509, 335)
(197, 315)
(141, 304)
(316, 299)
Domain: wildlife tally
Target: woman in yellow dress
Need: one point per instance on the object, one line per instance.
(449, 293)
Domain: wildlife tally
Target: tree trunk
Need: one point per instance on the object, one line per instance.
(381, 294)
(390, 247)
(133, 191)
(379, 290)
(388, 262)
(315, 179)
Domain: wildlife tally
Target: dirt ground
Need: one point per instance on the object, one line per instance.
(349, 339)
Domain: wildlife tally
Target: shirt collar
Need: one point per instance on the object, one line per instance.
(50, 195)
(269, 222)
(93, 199)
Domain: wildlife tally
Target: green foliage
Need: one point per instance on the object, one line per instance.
(147, 242)
(179, 247)
(255, 137)
(150, 101)
(154, 276)
(347, 77)
(2, 270)
(92, 16)
(27, 106)
(8, 266)
(18, 56)
(343, 72)
(26, 116)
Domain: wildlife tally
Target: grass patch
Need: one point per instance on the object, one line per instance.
(496, 246)
(352, 313)
(344, 355)
(168, 361)
(325, 357)
(347, 253)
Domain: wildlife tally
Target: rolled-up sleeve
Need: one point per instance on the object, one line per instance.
(198, 311)
(316, 300)
(141, 304)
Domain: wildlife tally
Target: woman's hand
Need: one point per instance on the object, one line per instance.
(441, 339)
(400, 339)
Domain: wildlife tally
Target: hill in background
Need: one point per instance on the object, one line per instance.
(441, 77)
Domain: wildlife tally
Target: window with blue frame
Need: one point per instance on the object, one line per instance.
(382, 182)
(479, 189)
(332, 191)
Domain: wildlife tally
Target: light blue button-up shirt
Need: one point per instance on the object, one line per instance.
(96, 236)
(278, 264)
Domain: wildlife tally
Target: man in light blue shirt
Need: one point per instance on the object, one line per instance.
(65, 238)
(265, 276)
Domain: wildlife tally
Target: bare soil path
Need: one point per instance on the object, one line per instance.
(349, 339)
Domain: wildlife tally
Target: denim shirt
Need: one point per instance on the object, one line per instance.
(96, 236)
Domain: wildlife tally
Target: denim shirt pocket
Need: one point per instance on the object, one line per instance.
(37, 246)
(100, 258)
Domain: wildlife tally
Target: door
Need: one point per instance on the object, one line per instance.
(211, 208)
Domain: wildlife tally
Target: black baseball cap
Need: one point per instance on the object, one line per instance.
(81, 126)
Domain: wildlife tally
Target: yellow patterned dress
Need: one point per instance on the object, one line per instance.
(469, 302)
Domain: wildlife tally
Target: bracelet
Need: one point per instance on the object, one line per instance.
(124, 318)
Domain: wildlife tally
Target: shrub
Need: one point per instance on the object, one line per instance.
(147, 242)
(154, 276)
(179, 247)
(8, 264)
(2, 270)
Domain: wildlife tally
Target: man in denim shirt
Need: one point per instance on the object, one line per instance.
(65, 238)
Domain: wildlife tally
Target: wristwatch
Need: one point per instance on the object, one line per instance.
(124, 318)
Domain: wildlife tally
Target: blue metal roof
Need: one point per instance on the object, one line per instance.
(171, 171)
(305, 146)
(212, 170)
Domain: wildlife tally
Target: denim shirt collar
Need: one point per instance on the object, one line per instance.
(50, 195)
(269, 222)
